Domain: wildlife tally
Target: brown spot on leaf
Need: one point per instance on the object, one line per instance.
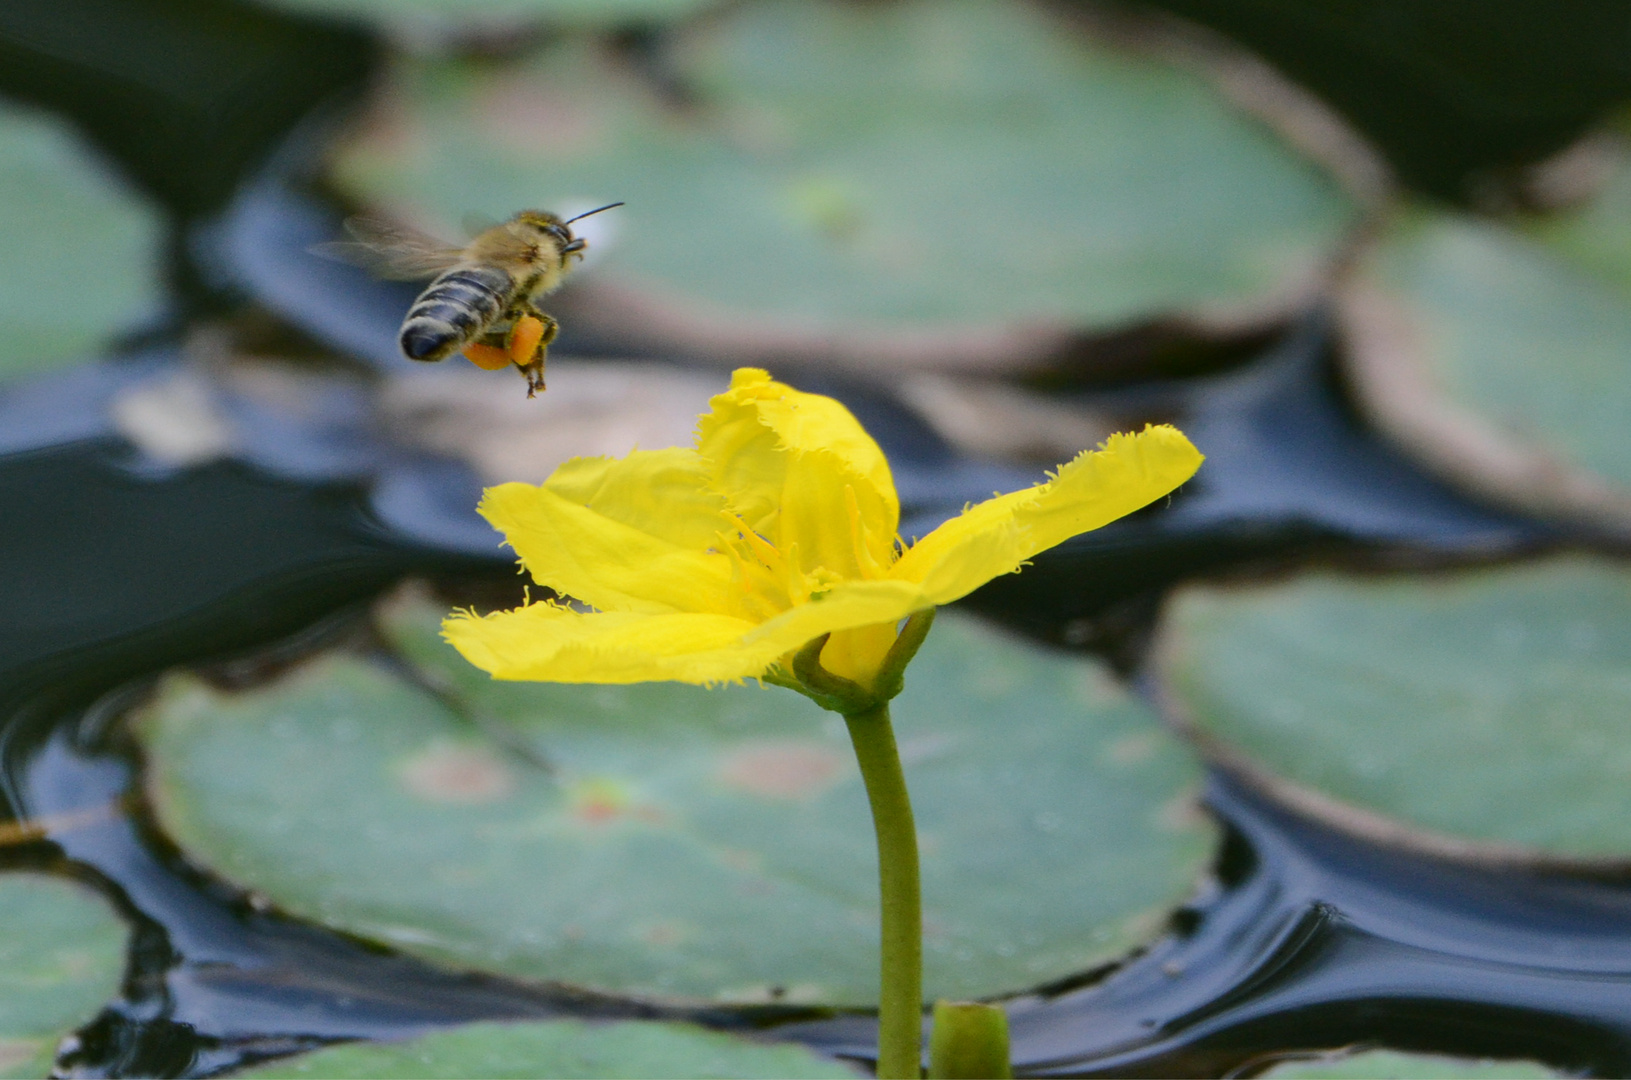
(15, 1052)
(458, 774)
(665, 933)
(787, 769)
(519, 114)
(1181, 813)
(746, 862)
(597, 800)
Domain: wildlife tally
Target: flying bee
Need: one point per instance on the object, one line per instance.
(483, 301)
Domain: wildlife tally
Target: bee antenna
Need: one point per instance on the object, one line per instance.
(596, 210)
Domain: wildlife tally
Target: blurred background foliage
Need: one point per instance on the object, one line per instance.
(1452, 100)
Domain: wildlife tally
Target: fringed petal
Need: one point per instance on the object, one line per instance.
(996, 537)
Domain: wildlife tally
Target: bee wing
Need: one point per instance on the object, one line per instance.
(390, 250)
(477, 223)
(505, 248)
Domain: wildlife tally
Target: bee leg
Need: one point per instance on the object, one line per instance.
(528, 345)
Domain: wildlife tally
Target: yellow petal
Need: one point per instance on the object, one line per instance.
(997, 536)
(665, 493)
(630, 534)
(792, 465)
(981, 543)
(546, 643)
(858, 654)
(846, 606)
(1099, 486)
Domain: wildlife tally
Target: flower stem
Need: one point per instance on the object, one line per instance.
(900, 1002)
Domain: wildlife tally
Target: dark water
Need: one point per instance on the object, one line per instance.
(116, 569)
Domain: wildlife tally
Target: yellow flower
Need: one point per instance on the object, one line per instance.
(714, 564)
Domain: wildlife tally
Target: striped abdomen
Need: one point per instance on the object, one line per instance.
(454, 309)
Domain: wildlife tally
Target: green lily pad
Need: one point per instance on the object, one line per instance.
(1392, 1065)
(954, 183)
(1498, 362)
(1595, 234)
(81, 249)
(661, 839)
(425, 18)
(1481, 712)
(560, 1048)
(62, 955)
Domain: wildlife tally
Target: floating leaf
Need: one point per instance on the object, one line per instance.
(1488, 708)
(62, 954)
(560, 1048)
(1498, 363)
(951, 183)
(1595, 235)
(1392, 1065)
(674, 840)
(81, 249)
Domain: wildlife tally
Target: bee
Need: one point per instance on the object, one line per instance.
(483, 300)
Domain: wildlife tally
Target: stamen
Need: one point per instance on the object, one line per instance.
(758, 567)
(865, 560)
(766, 551)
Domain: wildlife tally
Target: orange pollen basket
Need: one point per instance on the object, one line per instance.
(524, 339)
(487, 357)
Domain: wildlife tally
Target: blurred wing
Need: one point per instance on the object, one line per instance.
(504, 248)
(475, 223)
(391, 251)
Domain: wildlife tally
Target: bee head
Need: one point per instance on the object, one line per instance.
(548, 224)
(559, 231)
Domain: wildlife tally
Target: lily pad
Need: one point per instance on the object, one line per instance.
(81, 248)
(561, 1048)
(1595, 235)
(955, 183)
(1498, 362)
(1481, 712)
(62, 955)
(1393, 1065)
(662, 839)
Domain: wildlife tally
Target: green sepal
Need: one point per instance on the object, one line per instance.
(845, 696)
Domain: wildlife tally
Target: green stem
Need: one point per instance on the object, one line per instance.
(900, 1002)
